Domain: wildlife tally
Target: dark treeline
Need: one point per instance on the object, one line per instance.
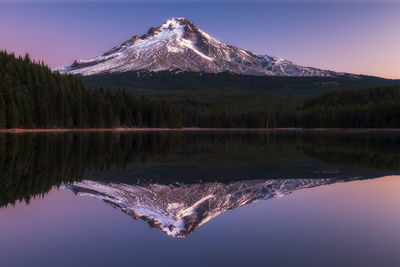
(377, 107)
(154, 83)
(31, 164)
(227, 100)
(32, 96)
(270, 117)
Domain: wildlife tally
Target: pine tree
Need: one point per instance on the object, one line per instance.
(3, 115)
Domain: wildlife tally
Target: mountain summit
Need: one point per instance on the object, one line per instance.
(179, 44)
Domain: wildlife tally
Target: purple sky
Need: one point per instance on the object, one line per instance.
(357, 37)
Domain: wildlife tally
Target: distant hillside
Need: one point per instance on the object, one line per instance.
(211, 89)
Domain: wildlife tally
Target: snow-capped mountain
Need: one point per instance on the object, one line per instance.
(178, 210)
(179, 44)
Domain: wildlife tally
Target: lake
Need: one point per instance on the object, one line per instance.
(209, 198)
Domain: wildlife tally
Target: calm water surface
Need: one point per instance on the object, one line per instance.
(196, 199)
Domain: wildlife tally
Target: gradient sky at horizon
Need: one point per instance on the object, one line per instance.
(356, 37)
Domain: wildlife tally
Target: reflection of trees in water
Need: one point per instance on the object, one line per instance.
(31, 164)
(376, 151)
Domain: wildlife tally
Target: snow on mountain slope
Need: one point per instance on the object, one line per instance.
(179, 44)
(178, 210)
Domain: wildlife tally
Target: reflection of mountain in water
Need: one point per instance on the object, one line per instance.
(32, 164)
(178, 210)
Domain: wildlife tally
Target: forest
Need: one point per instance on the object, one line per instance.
(32, 96)
(377, 107)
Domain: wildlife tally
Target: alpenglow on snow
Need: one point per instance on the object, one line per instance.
(178, 44)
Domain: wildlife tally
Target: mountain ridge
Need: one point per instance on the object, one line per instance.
(178, 44)
(178, 210)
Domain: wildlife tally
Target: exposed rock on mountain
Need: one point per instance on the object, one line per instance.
(178, 210)
(178, 44)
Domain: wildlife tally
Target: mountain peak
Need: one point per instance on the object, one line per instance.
(178, 26)
(179, 44)
(181, 20)
(172, 22)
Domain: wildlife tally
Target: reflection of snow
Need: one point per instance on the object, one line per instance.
(179, 210)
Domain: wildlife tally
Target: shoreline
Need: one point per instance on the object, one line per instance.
(193, 129)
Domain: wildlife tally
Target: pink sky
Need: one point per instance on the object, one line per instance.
(351, 37)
